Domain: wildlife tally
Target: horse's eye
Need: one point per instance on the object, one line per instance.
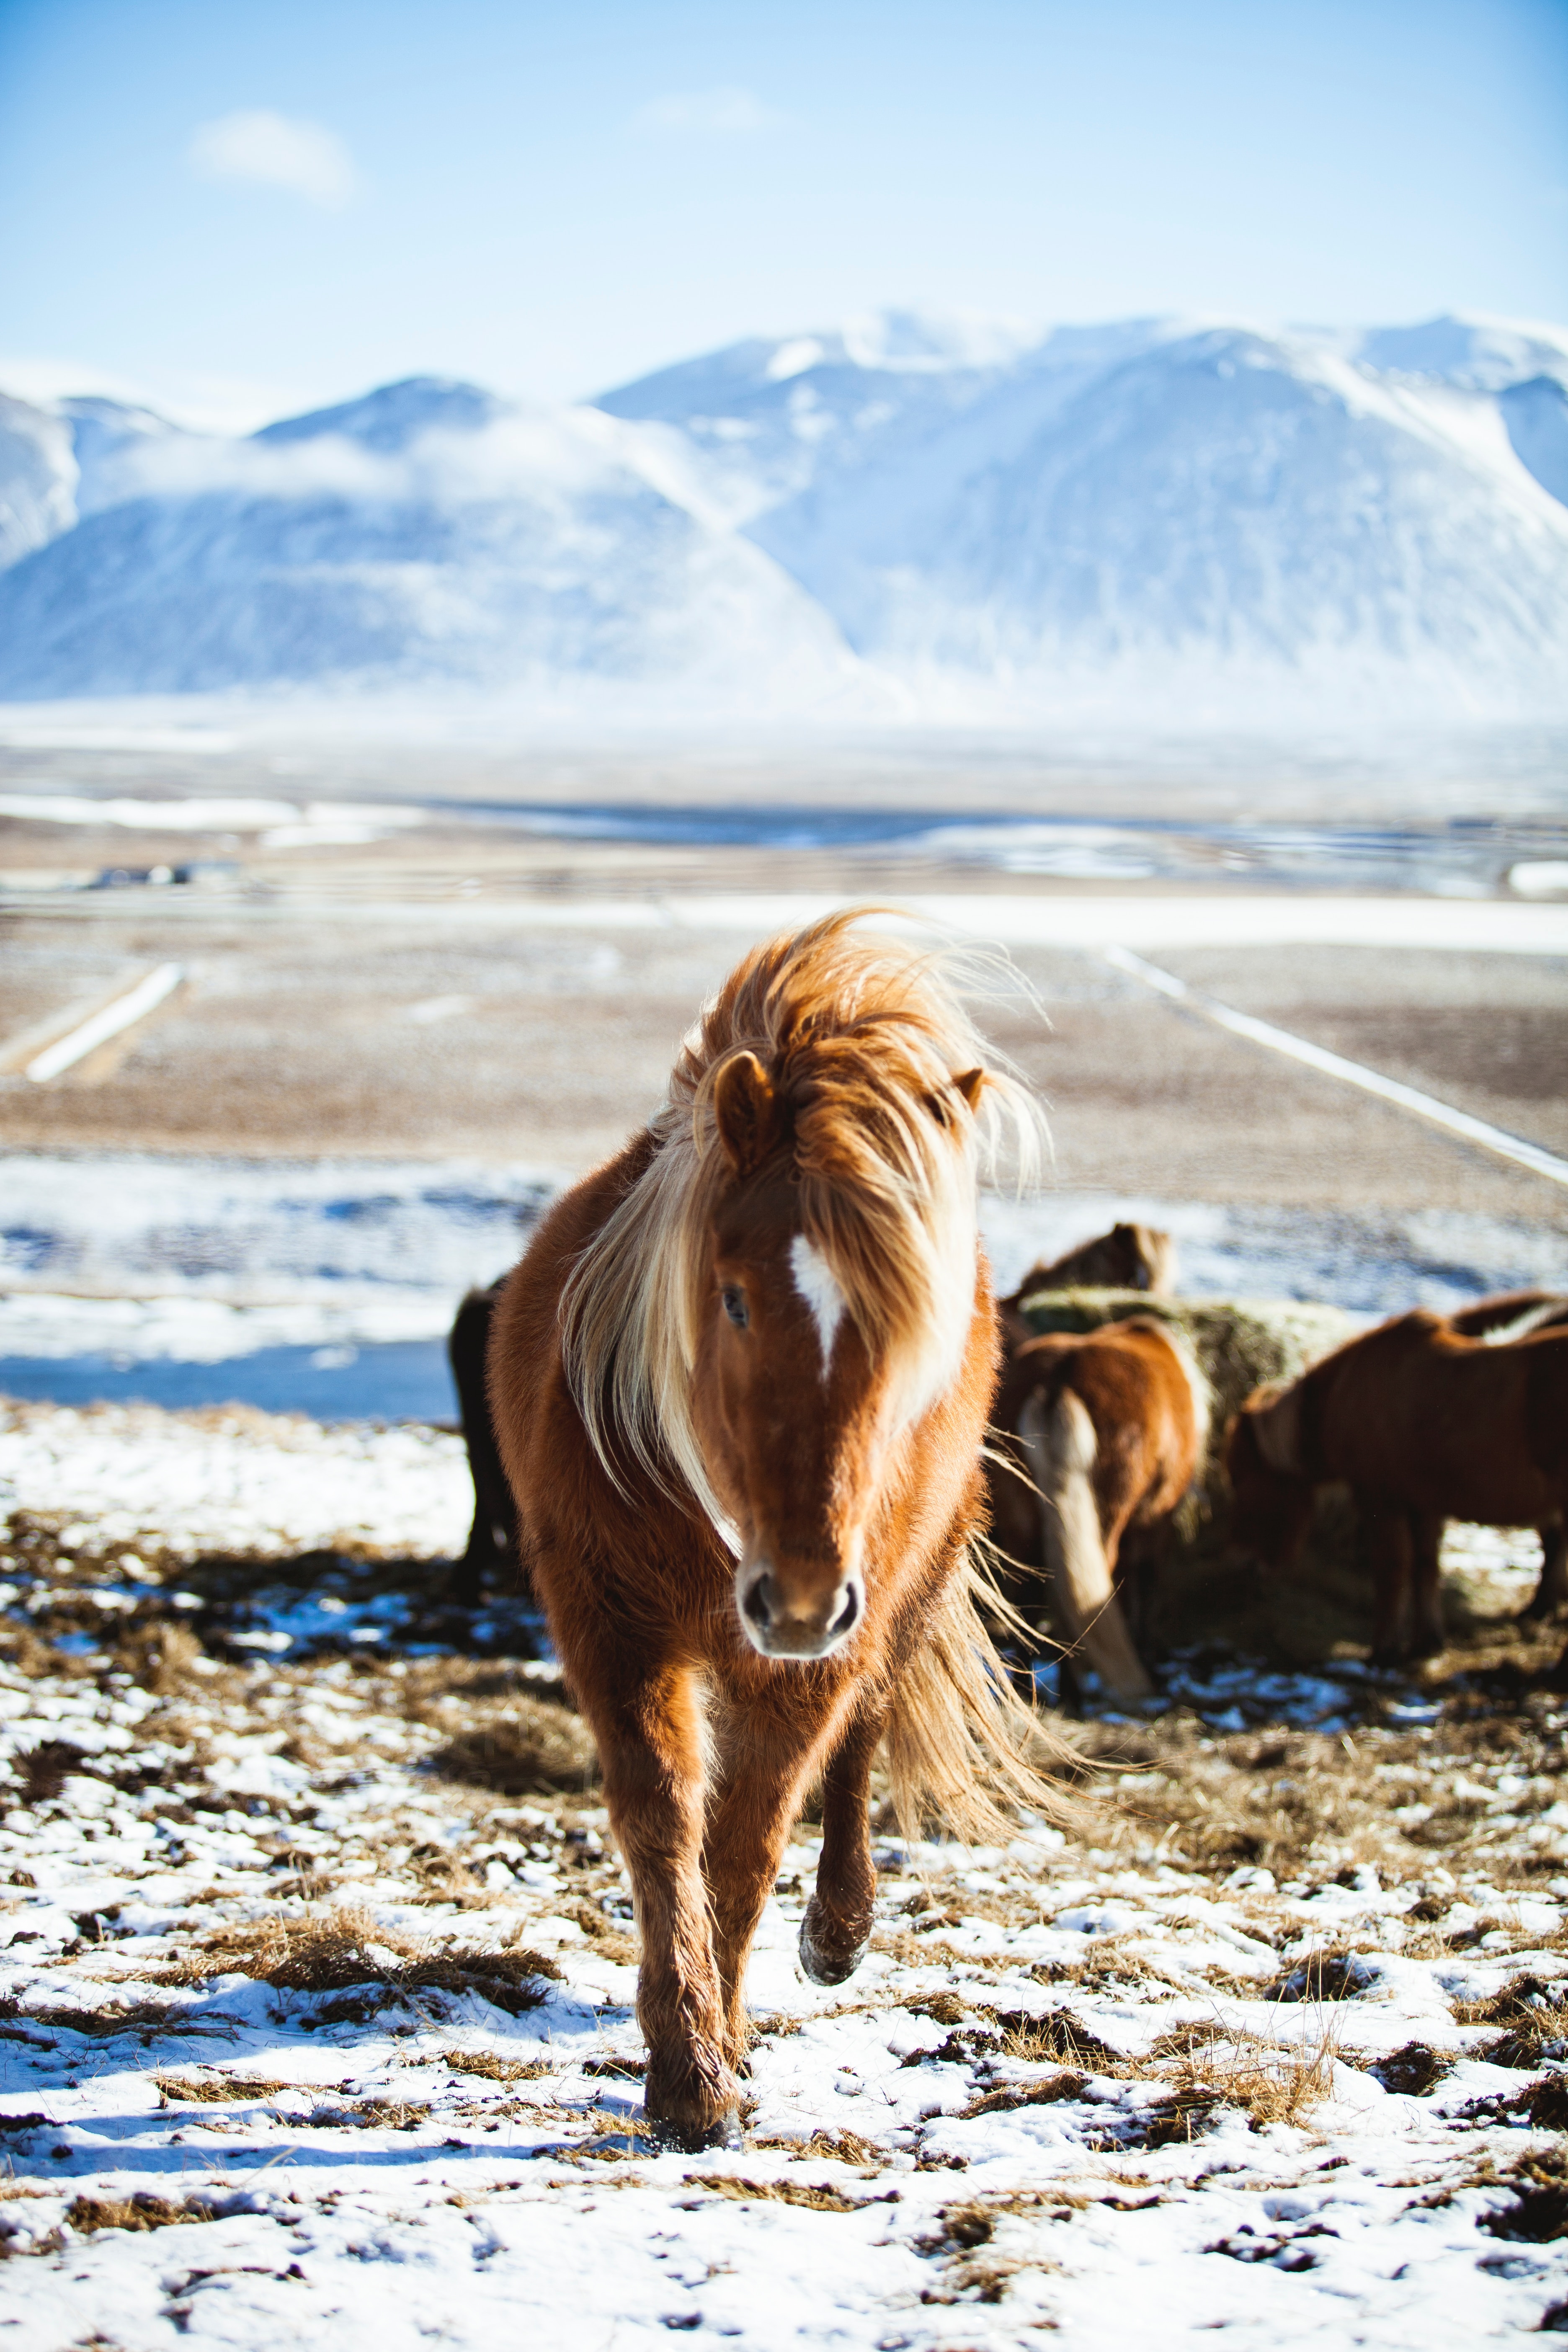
(735, 1306)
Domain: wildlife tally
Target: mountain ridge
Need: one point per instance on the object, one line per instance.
(937, 515)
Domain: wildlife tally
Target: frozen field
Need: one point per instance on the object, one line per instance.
(329, 1286)
(316, 1995)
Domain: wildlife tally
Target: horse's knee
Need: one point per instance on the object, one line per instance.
(831, 1947)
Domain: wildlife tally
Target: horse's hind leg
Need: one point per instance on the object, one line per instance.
(1552, 1592)
(492, 1540)
(1428, 1634)
(837, 1927)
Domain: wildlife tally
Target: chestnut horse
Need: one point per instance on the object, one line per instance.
(740, 1382)
(1100, 1437)
(1424, 1421)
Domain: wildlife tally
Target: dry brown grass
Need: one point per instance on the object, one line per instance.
(815, 2195)
(1531, 2012)
(1539, 2212)
(1415, 2069)
(1271, 2084)
(1056, 2039)
(142, 2210)
(492, 2069)
(148, 2019)
(215, 2090)
(534, 1748)
(348, 1948)
(840, 2148)
(1027, 2094)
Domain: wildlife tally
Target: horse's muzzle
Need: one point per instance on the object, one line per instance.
(782, 1624)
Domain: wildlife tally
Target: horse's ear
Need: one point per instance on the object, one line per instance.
(747, 1112)
(972, 1085)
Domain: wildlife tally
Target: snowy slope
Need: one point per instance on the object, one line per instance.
(426, 533)
(1147, 520)
(37, 479)
(765, 419)
(1221, 511)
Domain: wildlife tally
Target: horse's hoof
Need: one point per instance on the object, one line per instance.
(675, 2135)
(825, 1967)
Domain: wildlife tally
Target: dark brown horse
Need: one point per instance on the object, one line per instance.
(1425, 1422)
(1098, 1439)
(740, 1381)
(492, 1537)
(1129, 1257)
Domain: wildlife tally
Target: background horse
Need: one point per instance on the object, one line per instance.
(1099, 1438)
(492, 1537)
(740, 1381)
(1425, 1422)
(1129, 1257)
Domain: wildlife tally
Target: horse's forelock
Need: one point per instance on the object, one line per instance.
(863, 1039)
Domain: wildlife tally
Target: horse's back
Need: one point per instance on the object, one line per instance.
(1139, 1394)
(1453, 1424)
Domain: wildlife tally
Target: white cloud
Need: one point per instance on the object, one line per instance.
(726, 111)
(277, 153)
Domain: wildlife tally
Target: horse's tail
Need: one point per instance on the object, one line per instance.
(962, 1747)
(1060, 1444)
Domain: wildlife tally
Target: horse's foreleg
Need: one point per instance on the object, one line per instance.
(837, 1923)
(748, 1822)
(650, 1746)
(1386, 1532)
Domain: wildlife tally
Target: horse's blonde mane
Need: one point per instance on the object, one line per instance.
(862, 1036)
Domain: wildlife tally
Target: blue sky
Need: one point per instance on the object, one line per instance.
(242, 209)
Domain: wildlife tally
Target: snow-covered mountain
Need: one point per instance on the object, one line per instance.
(427, 533)
(1151, 517)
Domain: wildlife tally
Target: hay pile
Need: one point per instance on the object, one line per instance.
(1240, 1343)
(1204, 1597)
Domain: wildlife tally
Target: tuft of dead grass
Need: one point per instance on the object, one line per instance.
(535, 1747)
(840, 2148)
(346, 1948)
(142, 2210)
(148, 2019)
(1027, 2094)
(44, 1771)
(1534, 2017)
(492, 2069)
(215, 2090)
(1539, 2212)
(1414, 2070)
(1321, 1975)
(1056, 2038)
(1270, 2084)
(817, 2195)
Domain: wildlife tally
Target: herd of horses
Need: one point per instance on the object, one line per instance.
(751, 1420)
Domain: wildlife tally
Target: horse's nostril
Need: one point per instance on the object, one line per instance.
(757, 1604)
(847, 1614)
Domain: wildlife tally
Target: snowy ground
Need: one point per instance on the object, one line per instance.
(330, 1285)
(316, 1998)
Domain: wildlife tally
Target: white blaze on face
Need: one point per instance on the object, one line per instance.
(818, 1285)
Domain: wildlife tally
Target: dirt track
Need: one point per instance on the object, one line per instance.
(425, 993)
(464, 1031)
